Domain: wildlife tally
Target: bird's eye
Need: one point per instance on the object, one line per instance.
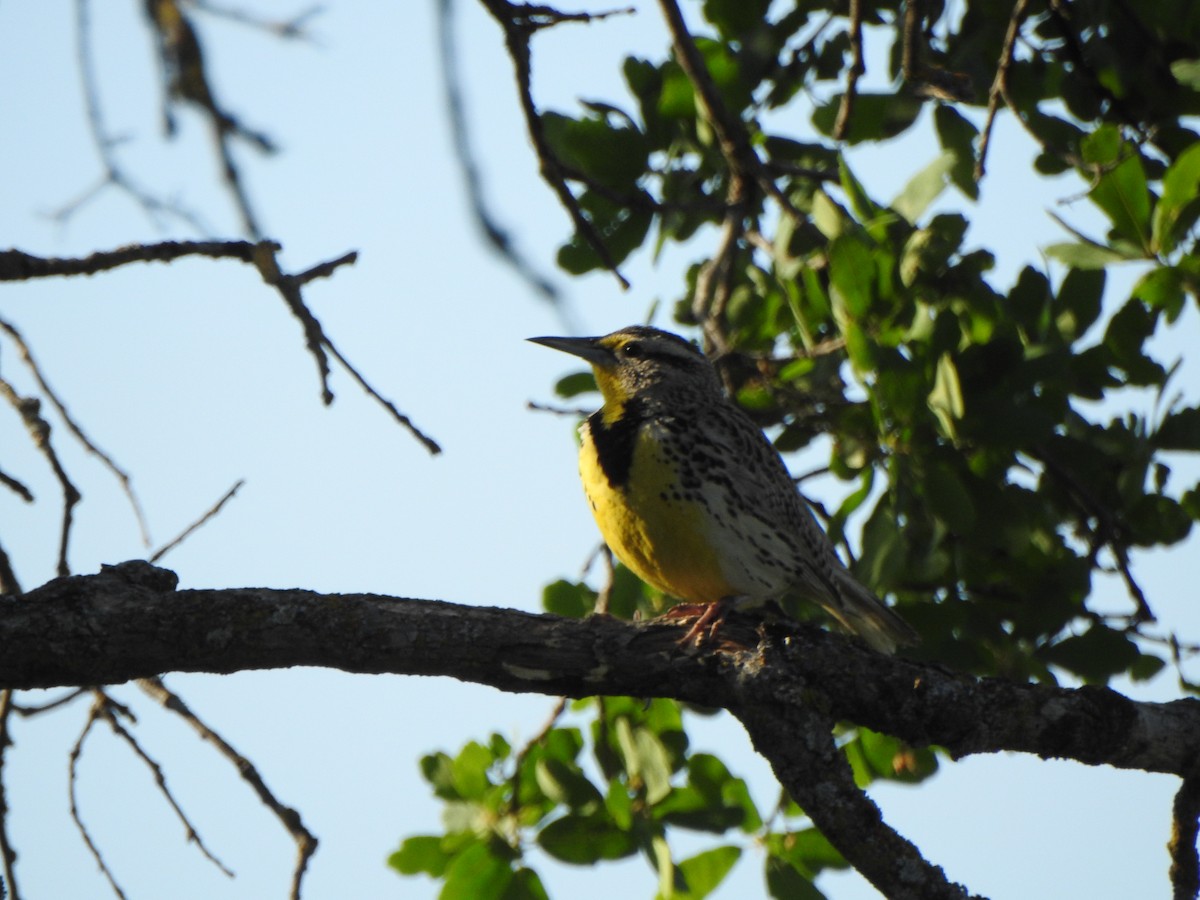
(633, 350)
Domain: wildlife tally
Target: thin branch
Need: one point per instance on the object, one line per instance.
(17, 488)
(293, 28)
(999, 89)
(120, 474)
(160, 779)
(306, 842)
(513, 804)
(28, 712)
(267, 263)
(808, 763)
(16, 265)
(519, 22)
(114, 174)
(8, 578)
(1185, 826)
(846, 108)
(94, 716)
(496, 236)
(429, 443)
(187, 532)
(185, 77)
(8, 855)
(29, 409)
(745, 167)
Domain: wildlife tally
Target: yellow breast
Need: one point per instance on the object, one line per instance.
(651, 526)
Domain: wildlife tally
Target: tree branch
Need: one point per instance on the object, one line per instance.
(47, 639)
(788, 683)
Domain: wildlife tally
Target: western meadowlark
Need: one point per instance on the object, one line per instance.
(691, 495)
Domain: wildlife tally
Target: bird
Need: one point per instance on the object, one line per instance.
(690, 494)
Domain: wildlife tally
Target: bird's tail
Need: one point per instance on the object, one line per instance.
(862, 612)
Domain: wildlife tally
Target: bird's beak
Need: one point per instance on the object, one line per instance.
(588, 349)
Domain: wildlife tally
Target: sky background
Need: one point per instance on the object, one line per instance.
(194, 375)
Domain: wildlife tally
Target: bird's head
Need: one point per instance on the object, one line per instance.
(643, 362)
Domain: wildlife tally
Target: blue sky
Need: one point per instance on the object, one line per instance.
(195, 375)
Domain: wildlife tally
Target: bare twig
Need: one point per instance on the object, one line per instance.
(496, 236)
(29, 409)
(16, 487)
(114, 174)
(604, 597)
(185, 79)
(714, 283)
(577, 412)
(1108, 532)
(292, 28)
(7, 854)
(429, 443)
(999, 89)
(161, 780)
(120, 474)
(306, 843)
(28, 712)
(745, 167)
(519, 22)
(1185, 865)
(846, 108)
(8, 578)
(94, 715)
(16, 265)
(910, 62)
(187, 532)
(513, 804)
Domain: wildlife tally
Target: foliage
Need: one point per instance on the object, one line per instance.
(994, 440)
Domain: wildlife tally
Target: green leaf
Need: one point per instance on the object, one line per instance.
(1162, 288)
(1177, 210)
(471, 771)
(1124, 196)
(438, 770)
(876, 117)
(893, 759)
(784, 882)
(1079, 301)
(568, 599)
(476, 874)
(703, 872)
(614, 155)
(420, 854)
(619, 804)
(924, 188)
(852, 271)
(1187, 72)
(808, 850)
(736, 17)
(1146, 667)
(957, 136)
(948, 497)
(1096, 655)
(525, 885)
(1085, 256)
(1179, 431)
(946, 400)
(575, 384)
(585, 840)
(645, 758)
(566, 784)
(831, 220)
(1157, 519)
